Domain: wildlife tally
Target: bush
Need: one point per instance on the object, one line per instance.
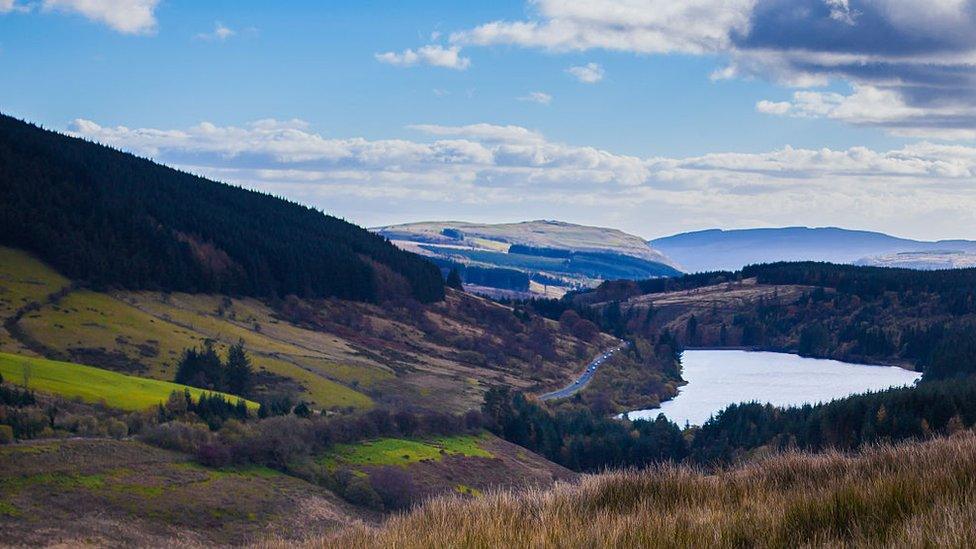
(213, 454)
(6, 434)
(116, 429)
(175, 435)
(394, 487)
(358, 491)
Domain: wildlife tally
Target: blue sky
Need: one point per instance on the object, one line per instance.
(677, 116)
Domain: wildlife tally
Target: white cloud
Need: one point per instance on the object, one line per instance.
(541, 98)
(434, 55)
(771, 107)
(220, 33)
(8, 6)
(488, 171)
(589, 73)
(644, 26)
(920, 54)
(125, 16)
(840, 10)
(871, 106)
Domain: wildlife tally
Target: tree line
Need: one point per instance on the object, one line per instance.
(574, 436)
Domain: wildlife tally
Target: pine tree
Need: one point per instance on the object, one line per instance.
(237, 373)
(454, 280)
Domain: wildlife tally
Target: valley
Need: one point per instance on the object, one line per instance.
(533, 274)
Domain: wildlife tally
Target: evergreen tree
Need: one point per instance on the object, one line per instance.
(454, 280)
(201, 369)
(238, 373)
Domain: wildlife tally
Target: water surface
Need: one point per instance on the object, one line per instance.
(717, 379)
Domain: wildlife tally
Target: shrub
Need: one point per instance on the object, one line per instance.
(6, 434)
(358, 491)
(116, 429)
(213, 454)
(175, 435)
(394, 487)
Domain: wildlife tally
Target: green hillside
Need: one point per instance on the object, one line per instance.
(93, 385)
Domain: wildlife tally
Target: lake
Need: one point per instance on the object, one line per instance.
(717, 379)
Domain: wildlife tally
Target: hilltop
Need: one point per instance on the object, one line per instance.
(544, 258)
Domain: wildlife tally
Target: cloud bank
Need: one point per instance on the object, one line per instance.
(487, 171)
(917, 58)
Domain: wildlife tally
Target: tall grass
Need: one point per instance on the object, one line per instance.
(911, 495)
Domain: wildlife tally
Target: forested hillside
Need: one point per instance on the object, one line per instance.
(921, 319)
(111, 219)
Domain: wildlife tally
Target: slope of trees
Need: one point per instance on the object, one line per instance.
(934, 408)
(580, 439)
(115, 220)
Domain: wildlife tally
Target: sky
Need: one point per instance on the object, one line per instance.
(650, 116)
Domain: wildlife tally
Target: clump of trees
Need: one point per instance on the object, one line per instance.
(204, 369)
(576, 437)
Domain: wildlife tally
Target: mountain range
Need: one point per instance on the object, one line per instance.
(717, 249)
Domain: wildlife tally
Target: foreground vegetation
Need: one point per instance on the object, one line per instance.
(885, 496)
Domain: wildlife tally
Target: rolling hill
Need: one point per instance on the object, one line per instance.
(717, 249)
(532, 257)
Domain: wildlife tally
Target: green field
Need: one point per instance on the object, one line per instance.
(90, 384)
(398, 451)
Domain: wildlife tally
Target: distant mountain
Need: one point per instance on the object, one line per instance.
(111, 219)
(717, 249)
(924, 260)
(532, 257)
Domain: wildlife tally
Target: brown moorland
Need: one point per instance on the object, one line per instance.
(911, 495)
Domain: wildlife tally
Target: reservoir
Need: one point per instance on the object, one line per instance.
(717, 379)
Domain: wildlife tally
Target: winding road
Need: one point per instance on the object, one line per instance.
(585, 377)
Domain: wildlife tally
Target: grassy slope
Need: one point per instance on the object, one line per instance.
(104, 492)
(23, 280)
(144, 333)
(84, 322)
(404, 452)
(467, 464)
(91, 384)
(919, 494)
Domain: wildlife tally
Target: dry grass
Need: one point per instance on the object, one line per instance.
(919, 494)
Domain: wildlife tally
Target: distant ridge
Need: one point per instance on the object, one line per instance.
(531, 258)
(717, 249)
